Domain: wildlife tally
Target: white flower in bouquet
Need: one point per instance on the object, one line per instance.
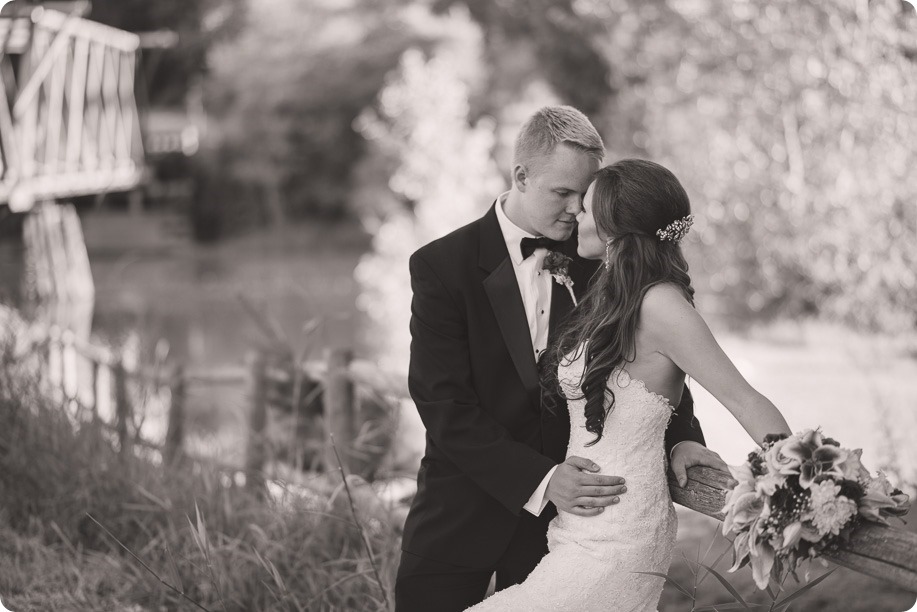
(796, 531)
(762, 556)
(778, 463)
(744, 491)
(853, 469)
(829, 511)
(881, 499)
(769, 483)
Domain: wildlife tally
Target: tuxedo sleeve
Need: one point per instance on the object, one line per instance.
(441, 385)
(684, 426)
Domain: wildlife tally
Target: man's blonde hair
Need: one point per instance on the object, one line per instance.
(550, 126)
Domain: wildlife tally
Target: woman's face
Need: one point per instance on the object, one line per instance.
(591, 242)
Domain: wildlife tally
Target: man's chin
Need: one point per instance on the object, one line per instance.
(562, 232)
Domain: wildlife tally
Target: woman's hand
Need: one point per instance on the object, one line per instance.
(688, 454)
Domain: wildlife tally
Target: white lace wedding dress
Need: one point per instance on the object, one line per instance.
(593, 561)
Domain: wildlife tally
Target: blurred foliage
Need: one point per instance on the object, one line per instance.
(793, 124)
(286, 91)
(563, 42)
(443, 176)
(170, 73)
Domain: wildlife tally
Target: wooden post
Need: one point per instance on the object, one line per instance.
(94, 363)
(256, 455)
(69, 373)
(123, 410)
(340, 412)
(875, 550)
(55, 365)
(96, 423)
(176, 431)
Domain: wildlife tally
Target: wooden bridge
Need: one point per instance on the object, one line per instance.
(68, 119)
(69, 127)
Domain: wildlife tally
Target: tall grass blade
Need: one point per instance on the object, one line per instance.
(145, 566)
(732, 590)
(797, 594)
(353, 511)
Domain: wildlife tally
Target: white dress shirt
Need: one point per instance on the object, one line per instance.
(535, 287)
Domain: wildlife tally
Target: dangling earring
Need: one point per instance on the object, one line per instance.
(608, 253)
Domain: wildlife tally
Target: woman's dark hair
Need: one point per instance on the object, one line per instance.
(631, 200)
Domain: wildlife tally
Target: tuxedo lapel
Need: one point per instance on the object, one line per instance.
(506, 301)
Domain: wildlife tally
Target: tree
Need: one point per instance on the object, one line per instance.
(199, 24)
(444, 177)
(562, 42)
(286, 91)
(792, 124)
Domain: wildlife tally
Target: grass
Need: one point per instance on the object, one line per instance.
(84, 528)
(80, 525)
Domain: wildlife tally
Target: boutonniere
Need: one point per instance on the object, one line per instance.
(558, 266)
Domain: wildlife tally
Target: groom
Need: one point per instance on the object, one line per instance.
(494, 472)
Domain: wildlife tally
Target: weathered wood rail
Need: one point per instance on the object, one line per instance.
(882, 552)
(324, 393)
(110, 403)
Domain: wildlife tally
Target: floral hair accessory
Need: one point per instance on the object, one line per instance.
(676, 230)
(558, 266)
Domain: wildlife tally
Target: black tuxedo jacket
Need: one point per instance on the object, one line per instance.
(475, 382)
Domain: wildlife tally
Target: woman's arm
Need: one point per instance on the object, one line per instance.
(674, 328)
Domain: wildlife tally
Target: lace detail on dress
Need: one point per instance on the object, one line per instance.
(593, 561)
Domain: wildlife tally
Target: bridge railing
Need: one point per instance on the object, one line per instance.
(68, 119)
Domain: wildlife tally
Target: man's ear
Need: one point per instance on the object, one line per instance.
(520, 177)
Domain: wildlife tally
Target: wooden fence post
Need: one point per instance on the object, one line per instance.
(176, 431)
(69, 372)
(123, 412)
(341, 412)
(94, 364)
(55, 365)
(256, 455)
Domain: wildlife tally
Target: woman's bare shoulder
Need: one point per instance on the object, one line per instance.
(664, 300)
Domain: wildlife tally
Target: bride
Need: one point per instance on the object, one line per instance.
(622, 362)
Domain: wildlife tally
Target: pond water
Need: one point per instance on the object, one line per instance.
(211, 303)
(200, 298)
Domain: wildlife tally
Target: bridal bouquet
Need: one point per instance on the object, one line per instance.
(798, 496)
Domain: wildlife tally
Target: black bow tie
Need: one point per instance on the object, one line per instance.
(530, 244)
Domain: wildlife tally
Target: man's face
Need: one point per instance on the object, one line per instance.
(553, 195)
